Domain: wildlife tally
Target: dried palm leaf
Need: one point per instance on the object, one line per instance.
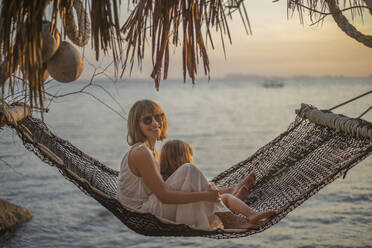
(20, 41)
(165, 20)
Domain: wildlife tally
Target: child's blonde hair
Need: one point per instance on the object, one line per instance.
(174, 153)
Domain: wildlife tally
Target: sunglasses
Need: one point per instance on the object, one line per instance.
(148, 119)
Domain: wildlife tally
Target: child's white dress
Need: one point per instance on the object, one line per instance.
(133, 192)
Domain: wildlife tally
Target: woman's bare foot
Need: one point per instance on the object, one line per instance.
(261, 218)
(232, 221)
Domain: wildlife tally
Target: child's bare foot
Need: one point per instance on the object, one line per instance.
(249, 181)
(242, 193)
(242, 189)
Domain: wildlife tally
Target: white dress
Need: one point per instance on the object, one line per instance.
(133, 192)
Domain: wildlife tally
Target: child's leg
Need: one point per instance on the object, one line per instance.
(241, 193)
(238, 206)
(241, 190)
(245, 185)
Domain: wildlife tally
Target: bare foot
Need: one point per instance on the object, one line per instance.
(232, 221)
(241, 191)
(249, 181)
(261, 218)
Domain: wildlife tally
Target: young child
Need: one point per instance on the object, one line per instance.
(175, 153)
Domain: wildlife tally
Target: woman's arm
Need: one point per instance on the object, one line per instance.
(143, 162)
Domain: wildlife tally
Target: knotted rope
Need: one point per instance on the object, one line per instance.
(354, 127)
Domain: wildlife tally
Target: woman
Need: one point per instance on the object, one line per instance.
(141, 186)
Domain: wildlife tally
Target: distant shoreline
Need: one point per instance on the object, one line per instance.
(254, 77)
(235, 77)
(242, 76)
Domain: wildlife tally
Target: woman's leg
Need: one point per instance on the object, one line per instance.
(232, 221)
(238, 206)
(254, 220)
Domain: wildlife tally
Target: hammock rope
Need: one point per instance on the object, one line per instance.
(365, 112)
(317, 148)
(351, 100)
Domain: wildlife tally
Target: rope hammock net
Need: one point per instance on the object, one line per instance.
(317, 148)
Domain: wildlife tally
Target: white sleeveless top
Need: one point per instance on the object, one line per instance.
(132, 190)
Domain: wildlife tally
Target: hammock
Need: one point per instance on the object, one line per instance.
(317, 148)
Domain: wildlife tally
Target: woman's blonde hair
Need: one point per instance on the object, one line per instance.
(140, 107)
(174, 153)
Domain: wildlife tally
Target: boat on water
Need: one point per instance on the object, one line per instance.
(273, 83)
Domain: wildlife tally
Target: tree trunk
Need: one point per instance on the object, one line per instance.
(346, 26)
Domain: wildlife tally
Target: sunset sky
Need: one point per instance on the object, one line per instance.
(282, 47)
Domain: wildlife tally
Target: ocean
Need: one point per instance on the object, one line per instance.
(224, 120)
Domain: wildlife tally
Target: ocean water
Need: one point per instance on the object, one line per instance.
(225, 120)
